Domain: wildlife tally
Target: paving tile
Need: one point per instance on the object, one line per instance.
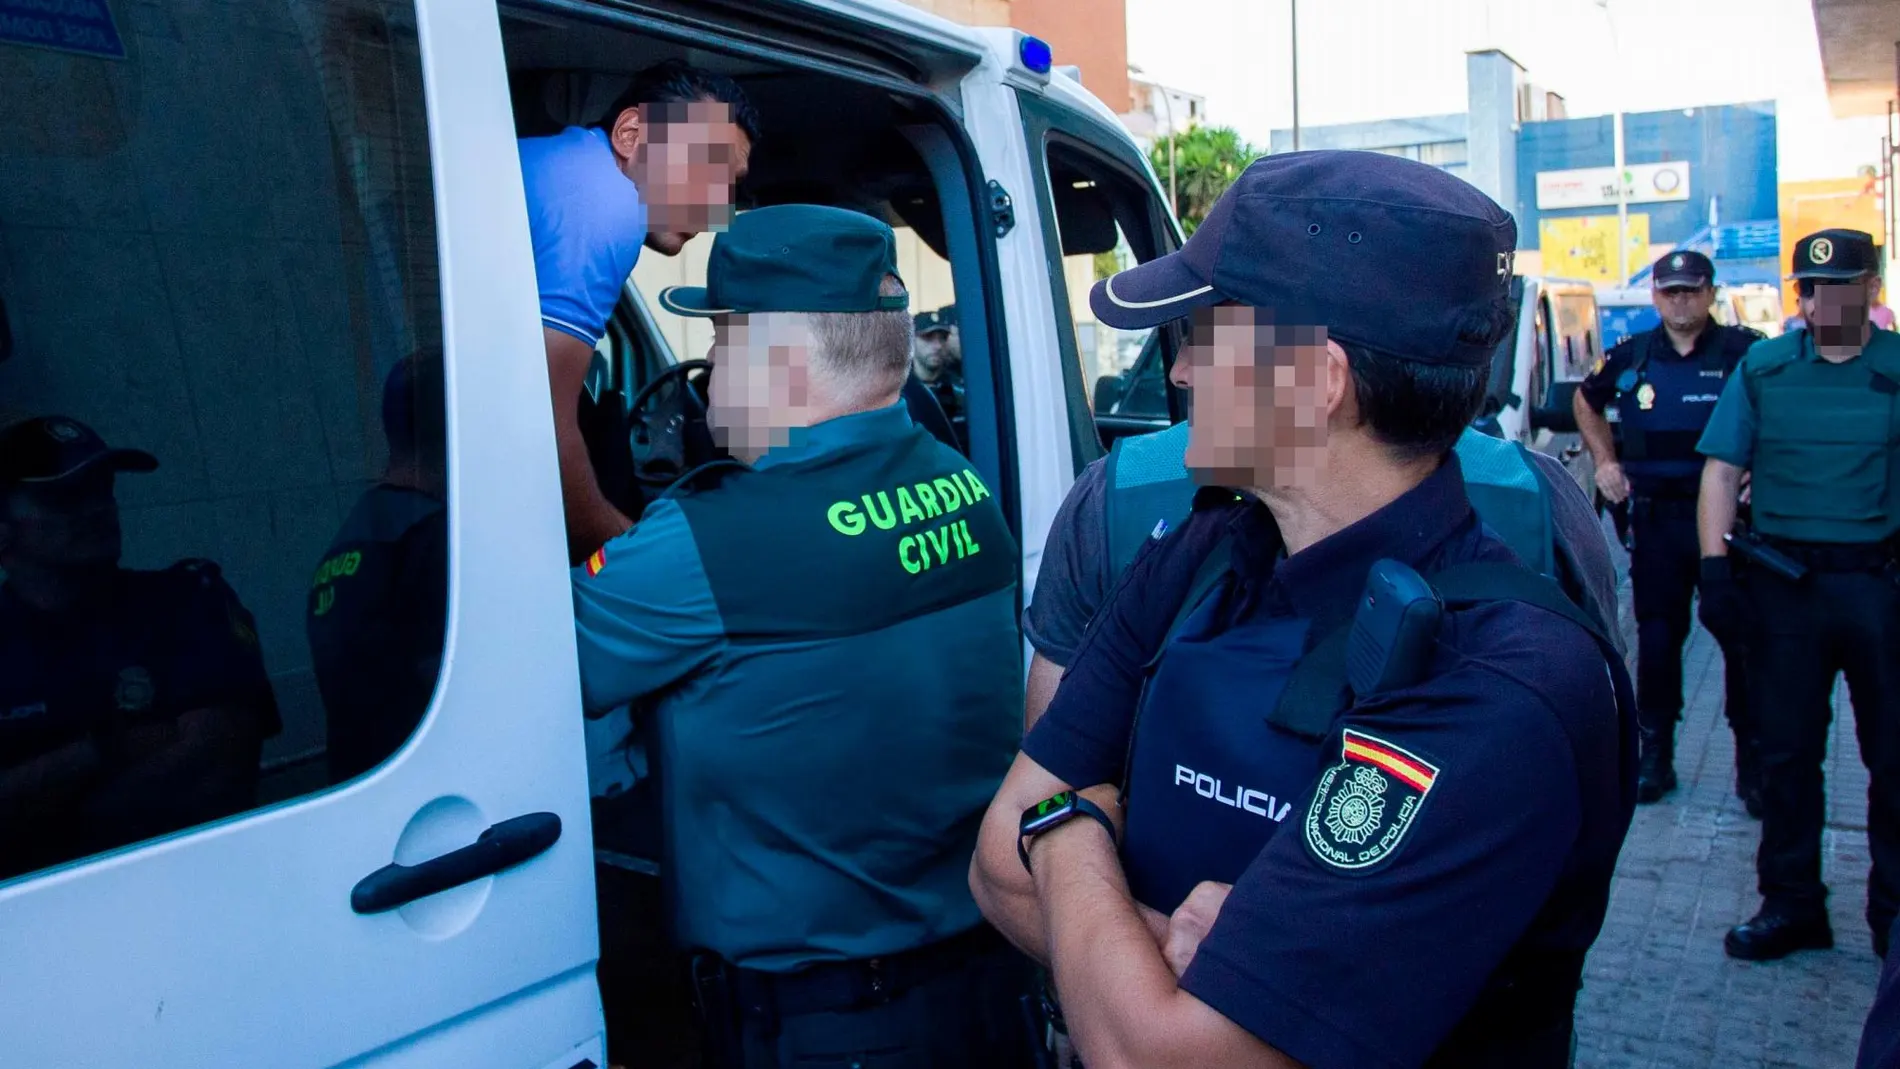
(1658, 991)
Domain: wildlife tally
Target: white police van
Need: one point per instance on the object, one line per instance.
(221, 228)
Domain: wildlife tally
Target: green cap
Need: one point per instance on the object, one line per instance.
(794, 258)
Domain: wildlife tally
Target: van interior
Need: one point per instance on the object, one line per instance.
(830, 138)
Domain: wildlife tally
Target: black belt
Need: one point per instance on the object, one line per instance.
(1839, 556)
(832, 986)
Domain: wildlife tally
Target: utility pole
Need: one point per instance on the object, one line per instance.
(1294, 19)
(1622, 177)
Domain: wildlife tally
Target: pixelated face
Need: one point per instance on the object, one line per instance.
(72, 523)
(1260, 406)
(760, 377)
(1685, 308)
(1837, 312)
(685, 158)
(937, 350)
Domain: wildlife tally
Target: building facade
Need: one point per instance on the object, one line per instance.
(1702, 178)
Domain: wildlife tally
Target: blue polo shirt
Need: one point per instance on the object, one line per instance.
(1403, 881)
(588, 224)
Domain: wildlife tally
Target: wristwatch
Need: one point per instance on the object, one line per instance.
(1057, 809)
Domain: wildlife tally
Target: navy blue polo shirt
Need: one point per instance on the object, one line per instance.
(167, 642)
(1503, 772)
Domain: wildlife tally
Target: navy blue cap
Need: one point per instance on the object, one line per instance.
(1682, 268)
(943, 319)
(794, 258)
(47, 449)
(1386, 253)
(1841, 255)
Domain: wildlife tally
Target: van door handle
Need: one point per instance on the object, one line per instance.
(502, 846)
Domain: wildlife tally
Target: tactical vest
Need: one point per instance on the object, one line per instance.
(1663, 401)
(823, 789)
(1205, 793)
(1149, 490)
(1827, 440)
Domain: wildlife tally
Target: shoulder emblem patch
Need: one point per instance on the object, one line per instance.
(1367, 802)
(596, 562)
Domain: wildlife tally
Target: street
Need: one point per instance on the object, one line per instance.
(1658, 990)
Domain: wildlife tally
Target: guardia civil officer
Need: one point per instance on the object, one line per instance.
(1815, 416)
(1418, 864)
(1663, 384)
(826, 637)
(378, 601)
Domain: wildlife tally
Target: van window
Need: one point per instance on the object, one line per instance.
(222, 492)
(828, 140)
(1544, 358)
(1101, 216)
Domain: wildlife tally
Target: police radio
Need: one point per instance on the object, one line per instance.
(1393, 630)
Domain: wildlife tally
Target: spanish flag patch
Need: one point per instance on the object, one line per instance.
(1382, 754)
(1366, 803)
(596, 562)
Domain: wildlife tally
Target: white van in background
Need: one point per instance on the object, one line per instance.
(221, 230)
(1537, 369)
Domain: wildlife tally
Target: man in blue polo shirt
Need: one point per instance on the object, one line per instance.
(1283, 873)
(657, 170)
(821, 633)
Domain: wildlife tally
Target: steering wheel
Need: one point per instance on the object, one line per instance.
(666, 424)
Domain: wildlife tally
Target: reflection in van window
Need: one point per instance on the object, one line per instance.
(218, 259)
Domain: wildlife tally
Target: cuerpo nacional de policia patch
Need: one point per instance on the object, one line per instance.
(1366, 803)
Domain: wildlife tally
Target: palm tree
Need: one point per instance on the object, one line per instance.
(1207, 159)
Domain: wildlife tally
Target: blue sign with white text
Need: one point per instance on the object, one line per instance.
(82, 26)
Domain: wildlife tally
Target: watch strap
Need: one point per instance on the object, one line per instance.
(1081, 807)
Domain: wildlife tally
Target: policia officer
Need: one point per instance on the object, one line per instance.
(1815, 415)
(1284, 872)
(132, 703)
(825, 635)
(1664, 384)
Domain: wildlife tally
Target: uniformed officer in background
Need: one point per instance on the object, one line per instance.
(1293, 859)
(937, 362)
(378, 603)
(132, 703)
(827, 637)
(1815, 416)
(1663, 384)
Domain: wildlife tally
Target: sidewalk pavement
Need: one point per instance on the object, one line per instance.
(1658, 991)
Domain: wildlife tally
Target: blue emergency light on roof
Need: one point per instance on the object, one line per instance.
(1036, 54)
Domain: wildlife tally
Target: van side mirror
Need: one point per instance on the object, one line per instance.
(1109, 391)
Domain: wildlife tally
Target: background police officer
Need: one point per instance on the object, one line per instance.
(378, 603)
(1484, 795)
(829, 636)
(1815, 415)
(1664, 384)
(132, 703)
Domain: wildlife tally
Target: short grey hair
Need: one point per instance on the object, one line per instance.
(871, 348)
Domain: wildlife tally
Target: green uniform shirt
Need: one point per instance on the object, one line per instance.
(1824, 447)
(828, 645)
